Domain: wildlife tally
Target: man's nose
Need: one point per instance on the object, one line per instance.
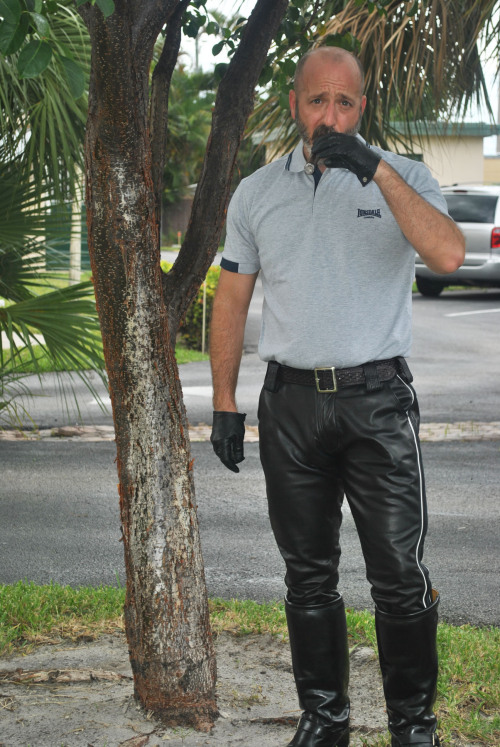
(330, 115)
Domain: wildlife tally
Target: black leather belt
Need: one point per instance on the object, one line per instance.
(329, 379)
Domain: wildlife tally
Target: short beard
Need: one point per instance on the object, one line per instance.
(320, 130)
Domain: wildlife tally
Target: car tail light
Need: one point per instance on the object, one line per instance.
(495, 240)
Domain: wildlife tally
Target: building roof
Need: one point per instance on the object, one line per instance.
(449, 129)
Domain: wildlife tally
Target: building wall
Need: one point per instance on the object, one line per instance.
(492, 169)
(452, 159)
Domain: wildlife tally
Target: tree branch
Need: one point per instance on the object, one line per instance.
(160, 88)
(233, 105)
(149, 18)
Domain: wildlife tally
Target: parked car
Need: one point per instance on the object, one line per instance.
(476, 209)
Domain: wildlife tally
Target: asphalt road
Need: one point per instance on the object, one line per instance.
(59, 507)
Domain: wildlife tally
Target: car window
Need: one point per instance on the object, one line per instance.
(472, 208)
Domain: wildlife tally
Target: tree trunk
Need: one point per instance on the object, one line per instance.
(166, 608)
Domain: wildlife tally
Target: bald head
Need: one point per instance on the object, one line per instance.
(328, 55)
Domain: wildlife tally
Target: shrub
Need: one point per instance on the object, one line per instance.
(191, 328)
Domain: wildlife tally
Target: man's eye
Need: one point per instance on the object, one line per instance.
(346, 103)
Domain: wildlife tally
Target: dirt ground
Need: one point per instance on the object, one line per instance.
(81, 695)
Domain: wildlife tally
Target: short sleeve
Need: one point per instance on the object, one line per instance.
(240, 251)
(422, 181)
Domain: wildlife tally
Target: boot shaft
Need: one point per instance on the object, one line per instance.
(409, 664)
(320, 659)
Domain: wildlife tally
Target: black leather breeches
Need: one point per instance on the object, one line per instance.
(315, 448)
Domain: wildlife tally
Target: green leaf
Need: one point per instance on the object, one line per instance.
(220, 71)
(288, 67)
(212, 28)
(74, 76)
(217, 48)
(12, 37)
(7, 33)
(107, 7)
(266, 75)
(345, 41)
(41, 23)
(283, 99)
(34, 6)
(10, 11)
(34, 58)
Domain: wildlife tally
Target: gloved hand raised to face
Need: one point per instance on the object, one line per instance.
(228, 431)
(340, 151)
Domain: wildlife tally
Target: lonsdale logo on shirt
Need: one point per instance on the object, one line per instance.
(369, 213)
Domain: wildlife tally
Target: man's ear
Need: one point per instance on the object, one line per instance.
(363, 104)
(292, 100)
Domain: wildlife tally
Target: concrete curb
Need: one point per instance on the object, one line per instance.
(466, 431)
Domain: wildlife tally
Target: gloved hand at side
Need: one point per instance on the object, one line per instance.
(228, 431)
(341, 151)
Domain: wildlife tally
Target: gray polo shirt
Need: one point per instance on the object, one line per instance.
(336, 269)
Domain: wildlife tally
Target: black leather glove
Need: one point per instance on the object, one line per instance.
(228, 431)
(341, 151)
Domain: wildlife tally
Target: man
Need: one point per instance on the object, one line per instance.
(332, 228)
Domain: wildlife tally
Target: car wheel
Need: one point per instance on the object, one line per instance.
(429, 287)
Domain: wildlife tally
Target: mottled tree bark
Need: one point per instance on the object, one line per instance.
(166, 609)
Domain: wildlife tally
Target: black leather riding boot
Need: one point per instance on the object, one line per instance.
(320, 658)
(409, 664)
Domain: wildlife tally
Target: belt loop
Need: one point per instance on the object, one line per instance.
(271, 381)
(372, 379)
(404, 369)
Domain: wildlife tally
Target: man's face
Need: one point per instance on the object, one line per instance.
(329, 98)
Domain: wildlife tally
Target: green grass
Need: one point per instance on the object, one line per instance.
(44, 364)
(32, 614)
(185, 355)
(468, 688)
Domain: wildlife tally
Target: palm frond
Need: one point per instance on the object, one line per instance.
(38, 318)
(39, 118)
(62, 322)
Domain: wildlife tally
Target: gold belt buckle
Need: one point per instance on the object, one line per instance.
(326, 390)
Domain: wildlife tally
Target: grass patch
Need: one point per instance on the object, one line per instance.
(469, 683)
(25, 364)
(185, 355)
(468, 688)
(32, 614)
(44, 364)
(246, 617)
